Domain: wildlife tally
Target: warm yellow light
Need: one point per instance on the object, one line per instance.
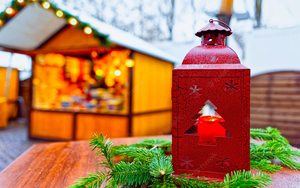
(1, 23)
(73, 21)
(129, 63)
(99, 72)
(20, 1)
(87, 30)
(46, 5)
(59, 13)
(110, 82)
(117, 61)
(117, 72)
(36, 81)
(9, 11)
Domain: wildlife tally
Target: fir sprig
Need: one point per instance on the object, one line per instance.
(243, 179)
(163, 144)
(185, 182)
(268, 134)
(274, 148)
(103, 147)
(93, 180)
(161, 166)
(131, 174)
(146, 164)
(132, 152)
(265, 165)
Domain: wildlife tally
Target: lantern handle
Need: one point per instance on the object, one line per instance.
(219, 21)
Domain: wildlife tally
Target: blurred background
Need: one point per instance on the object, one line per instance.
(169, 22)
(59, 84)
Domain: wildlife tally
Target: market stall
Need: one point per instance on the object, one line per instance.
(9, 89)
(88, 77)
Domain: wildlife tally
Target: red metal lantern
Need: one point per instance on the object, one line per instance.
(211, 110)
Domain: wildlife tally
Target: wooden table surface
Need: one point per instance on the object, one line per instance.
(60, 164)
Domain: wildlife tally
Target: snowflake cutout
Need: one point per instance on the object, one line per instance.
(231, 86)
(224, 163)
(186, 163)
(195, 90)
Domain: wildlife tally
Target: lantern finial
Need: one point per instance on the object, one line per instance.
(214, 34)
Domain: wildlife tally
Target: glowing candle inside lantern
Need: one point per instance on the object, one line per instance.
(209, 125)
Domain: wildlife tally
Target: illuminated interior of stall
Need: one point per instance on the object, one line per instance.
(98, 83)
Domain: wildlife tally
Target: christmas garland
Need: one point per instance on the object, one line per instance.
(148, 164)
(18, 5)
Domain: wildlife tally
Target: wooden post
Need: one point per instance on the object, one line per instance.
(130, 97)
(258, 11)
(226, 10)
(8, 77)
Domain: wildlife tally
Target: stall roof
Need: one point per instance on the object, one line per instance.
(34, 25)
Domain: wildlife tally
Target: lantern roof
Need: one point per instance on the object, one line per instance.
(213, 49)
(213, 27)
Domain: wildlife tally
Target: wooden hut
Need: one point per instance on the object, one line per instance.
(9, 89)
(88, 77)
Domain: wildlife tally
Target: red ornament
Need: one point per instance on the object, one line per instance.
(211, 79)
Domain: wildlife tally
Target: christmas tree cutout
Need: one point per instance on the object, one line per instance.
(208, 124)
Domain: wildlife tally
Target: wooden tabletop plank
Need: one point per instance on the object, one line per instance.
(60, 164)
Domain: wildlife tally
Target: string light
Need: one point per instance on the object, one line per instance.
(94, 54)
(129, 63)
(9, 11)
(59, 13)
(117, 72)
(87, 30)
(46, 5)
(110, 82)
(73, 21)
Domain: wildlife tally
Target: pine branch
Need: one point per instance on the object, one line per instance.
(155, 143)
(131, 174)
(274, 150)
(146, 164)
(93, 180)
(185, 182)
(111, 183)
(161, 169)
(275, 147)
(268, 134)
(245, 179)
(103, 147)
(289, 162)
(161, 166)
(265, 165)
(296, 152)
(141, 154)
(165, 182)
